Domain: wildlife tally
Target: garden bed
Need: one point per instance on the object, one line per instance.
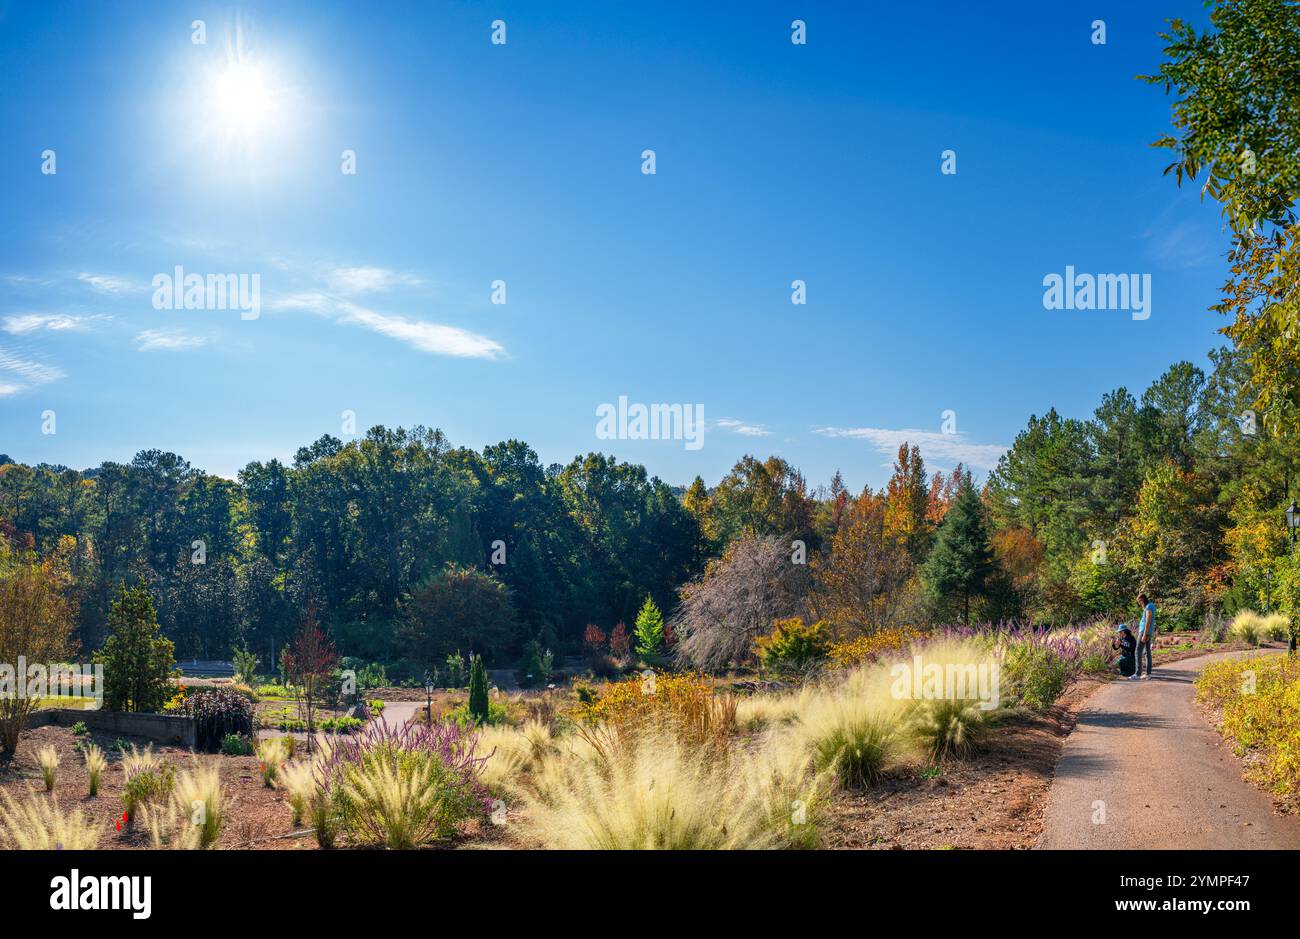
(994, 800)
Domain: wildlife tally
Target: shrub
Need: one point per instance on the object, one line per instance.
(619, 647)
(462, 718)
(372, 675)
(864, 650)
(138, 660)
(538, 665)
(245, 666)
(79, 729)
(96, 763)
(148, 779)
(1036, 672)
(649, 629)
(48, 757)
(341, 725)
(455, 670)
(218, 713)
(1259, 700)
(271, 755)
(39, 824)
(1246, 627)
(235, 745)
(478, 690)
(594, 642)
(793, 646)
(684, 702)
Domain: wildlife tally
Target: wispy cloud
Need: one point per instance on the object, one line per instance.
(433, 338)
(168, 340)
(105, 283)
(955, 448)
(740, 427)
(19, 374)
(21, 323)
(353, 280)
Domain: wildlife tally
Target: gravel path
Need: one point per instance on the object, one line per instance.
(1166, 778)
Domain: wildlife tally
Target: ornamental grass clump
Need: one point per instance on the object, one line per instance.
(198, 796)
(40, 824)
(401, 787)
(852, 730)
(191, 820)
(511, 752)
(758, 712)
(271, 755)
(1246, 626)
(96, 763)
(48, 758)
(300, 785)
(951, 687)
(658, 791)
(1276, 627)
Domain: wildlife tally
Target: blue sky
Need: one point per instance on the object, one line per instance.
(522, 162)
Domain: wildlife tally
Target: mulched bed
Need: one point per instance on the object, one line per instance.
(993, 800)
(256, 816)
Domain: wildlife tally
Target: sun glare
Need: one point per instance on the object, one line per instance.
(243, 100)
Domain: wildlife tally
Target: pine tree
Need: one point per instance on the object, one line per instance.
(649, 629)
(478, 690)
(961, 561)
(138, 661)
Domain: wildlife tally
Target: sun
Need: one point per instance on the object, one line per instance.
(243, 100)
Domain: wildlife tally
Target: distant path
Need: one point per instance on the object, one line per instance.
(1167, 778)
(397, 713)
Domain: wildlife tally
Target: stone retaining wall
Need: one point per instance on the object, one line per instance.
(172, 729)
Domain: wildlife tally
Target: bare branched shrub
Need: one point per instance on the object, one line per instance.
(737, 599)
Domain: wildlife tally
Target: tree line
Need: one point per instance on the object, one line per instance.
(412, 549)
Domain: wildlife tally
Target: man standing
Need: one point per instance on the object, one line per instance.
(1146, 633)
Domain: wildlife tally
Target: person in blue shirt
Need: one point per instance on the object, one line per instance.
(1146, 633)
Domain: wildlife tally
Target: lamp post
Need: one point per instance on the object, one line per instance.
(428, 696)
(1292, 523)
(1268, 592)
